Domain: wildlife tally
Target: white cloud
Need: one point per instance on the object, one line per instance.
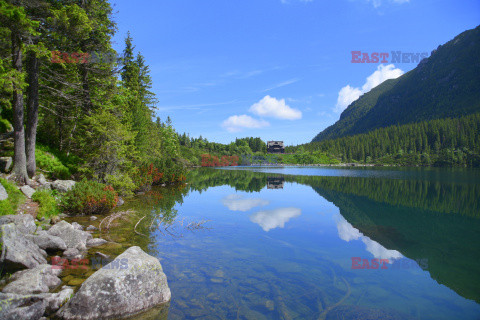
(237, 123)
(347, 233)
(348, 94)
(276, 218)
(378, 3)
(282, 84)
(379, 251)
(236, 202)
(271, 107)
(345, 230)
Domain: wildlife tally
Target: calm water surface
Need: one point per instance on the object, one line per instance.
(301, 243)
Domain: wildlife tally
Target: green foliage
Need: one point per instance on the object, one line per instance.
(5, 125)
(443, 142)
(89, 197)
(48, 206)
(15, 198)
(50, 164)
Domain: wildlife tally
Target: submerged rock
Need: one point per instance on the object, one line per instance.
(63, 185)
(130, 284)
(18, 251)
(91, 228)
(363, 313)
(96, 242)
(40, 279)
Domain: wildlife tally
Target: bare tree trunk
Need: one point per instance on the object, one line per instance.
(32, 112)
(20, 159)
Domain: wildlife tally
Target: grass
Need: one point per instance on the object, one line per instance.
(15, 198)
(51, 164)
(48, 206)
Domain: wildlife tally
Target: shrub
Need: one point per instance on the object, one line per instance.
(89, 197)
(51, 164)
(15, 198)
(121, 183)
(168, 172)
(48, 206)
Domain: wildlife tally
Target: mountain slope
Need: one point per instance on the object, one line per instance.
(447, 84)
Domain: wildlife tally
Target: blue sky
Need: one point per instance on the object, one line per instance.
(277, 69)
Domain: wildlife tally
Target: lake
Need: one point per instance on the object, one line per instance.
(315, 243)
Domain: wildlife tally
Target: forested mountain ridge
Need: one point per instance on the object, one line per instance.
(446, 84)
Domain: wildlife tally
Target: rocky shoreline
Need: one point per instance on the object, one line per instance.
(32, 252)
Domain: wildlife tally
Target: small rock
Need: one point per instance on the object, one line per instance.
(77, 226)
(5, 164)
(3, 193)
(73, 253)
(120, 202)
(41, 179)
(102, 255)
(56, 300)
(93, 218)
(96, 242)
(91, 228)
(47, 241)
(54, 220)
(27, 191)
(47, 186)
(73, 238)
(63, 185)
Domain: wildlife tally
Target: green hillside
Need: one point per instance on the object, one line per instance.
(447, 84)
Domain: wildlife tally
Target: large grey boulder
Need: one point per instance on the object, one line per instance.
(132, 283)
(73, 238)
(18, 251)
(3, 193)
(5, 164)
(23, 222)
(63, 185)
(40, 279)
(47, 241)
(27, 191)
(16, 307)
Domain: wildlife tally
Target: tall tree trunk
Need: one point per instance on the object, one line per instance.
(20, 159)
(32, 112)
